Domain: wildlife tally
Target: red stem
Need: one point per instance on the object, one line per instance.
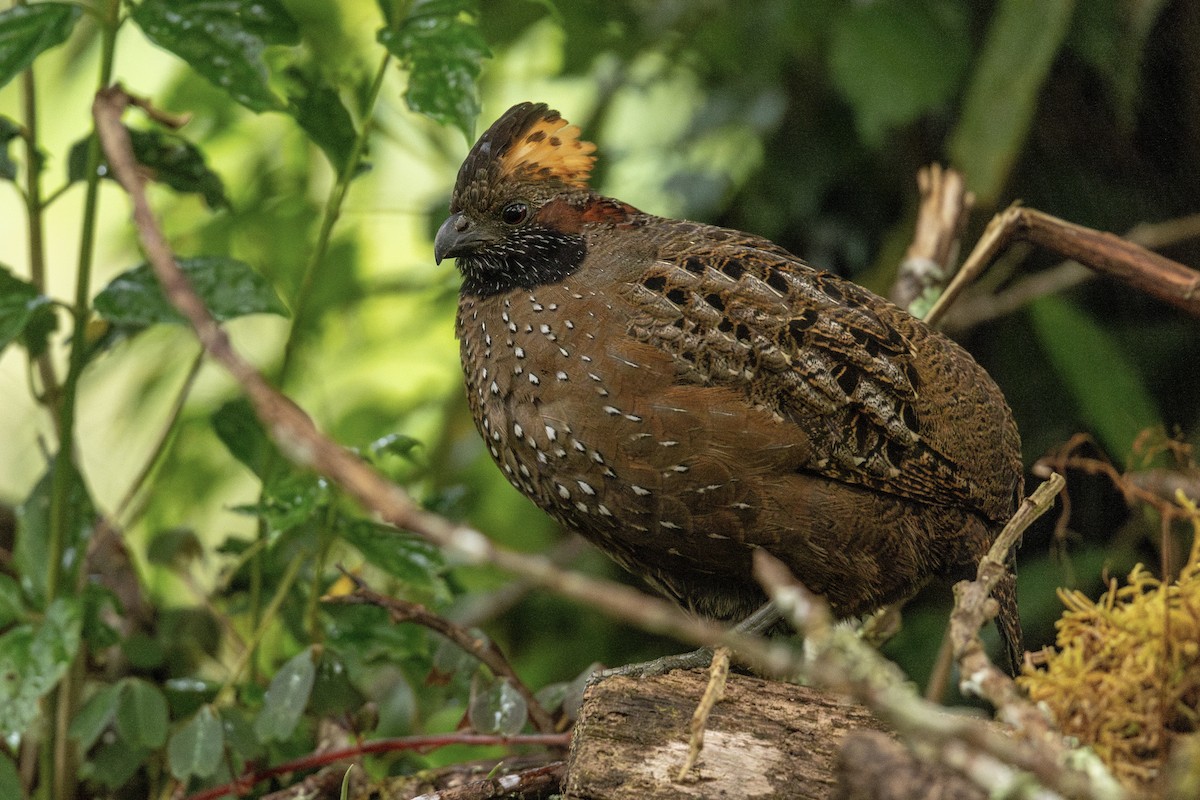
(247, 781)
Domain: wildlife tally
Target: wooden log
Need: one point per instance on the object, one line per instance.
(765, 739)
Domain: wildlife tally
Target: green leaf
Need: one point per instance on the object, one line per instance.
(223, 40)
(318, 109)
(230, 288)
(23, 310)
(32, 660)
(32, 551)
(289, 500)
(28, 31)
(239, 734)
(896, 61)
(1022, 40)
(393, 444)
(333, 691)
(12, 604)
(238, 428)
(96, 715)
(175, 548)
(9, 130)
(10, 781)
(197, 747)
(495, 706)
(115, 762)
(444, 51)
(167, 157)
(286, 698)
(1110, 38)
(142, 714)
(1101, 379)
(402, 555)
(100, 606)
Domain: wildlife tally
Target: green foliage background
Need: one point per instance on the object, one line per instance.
(303, 194)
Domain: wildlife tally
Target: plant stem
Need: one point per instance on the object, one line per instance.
(126, 510)
(333, 210)
(326, 537)
(37, 238)
(61, 783)
(285, 585)
(80, 312)
(300, 304)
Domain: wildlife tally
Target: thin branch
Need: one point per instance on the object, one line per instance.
(1145, 271)
(973, 607)
(941, 217)
(394, 745)
(482, 648)
(978, 308)
(536, 782)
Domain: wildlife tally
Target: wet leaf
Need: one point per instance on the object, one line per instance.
(401, 555)
(168, 159)
(495, 706)
(28, 31)
(142, 714)
(196, 748)
(223, 40)
(9, 130)
(33, 658)
(32, 551)
(286, 698)
(444, 51)
(228, 287)
(23, 309)
(318, 109)
(96, 715)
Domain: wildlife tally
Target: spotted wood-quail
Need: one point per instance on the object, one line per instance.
(681, 394)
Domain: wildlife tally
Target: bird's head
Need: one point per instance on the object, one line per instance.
(519, 204)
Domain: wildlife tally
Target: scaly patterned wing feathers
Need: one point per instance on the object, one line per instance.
(821, 352)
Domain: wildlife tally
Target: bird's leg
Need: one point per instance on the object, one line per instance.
(760, 621)
(878, 628)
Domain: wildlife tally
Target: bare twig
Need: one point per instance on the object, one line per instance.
(941, 218)
(1148, 272)
(977, 308)
(1166, 483)
(973, 607)
(1154, 487)
(714, 692)
(537, 782)
(394, 745)
(482, 648)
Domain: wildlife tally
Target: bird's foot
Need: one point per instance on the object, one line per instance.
(760, 621)
(659, 666)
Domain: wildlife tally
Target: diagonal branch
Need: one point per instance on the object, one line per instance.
(477, 645)
(1107, 253)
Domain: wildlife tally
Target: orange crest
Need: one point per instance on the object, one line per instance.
(550, 148)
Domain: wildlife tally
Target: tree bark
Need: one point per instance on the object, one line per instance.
(764, 739)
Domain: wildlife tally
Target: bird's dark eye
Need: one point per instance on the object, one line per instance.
(514, 213)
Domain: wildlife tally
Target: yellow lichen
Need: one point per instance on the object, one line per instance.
(1124, 678)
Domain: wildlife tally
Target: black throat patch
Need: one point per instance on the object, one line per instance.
(534, 257)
